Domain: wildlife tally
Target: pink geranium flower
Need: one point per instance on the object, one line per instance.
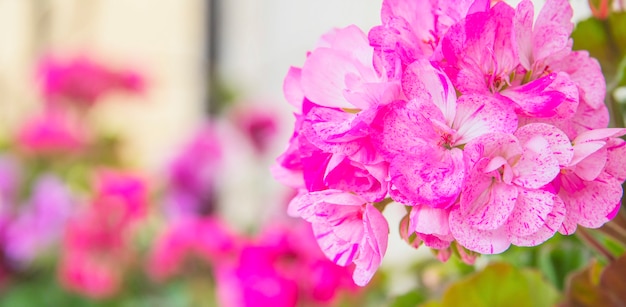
(422, 138)
(502, 199)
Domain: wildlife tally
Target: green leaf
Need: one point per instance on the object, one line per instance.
(409, 299)
(500, 284)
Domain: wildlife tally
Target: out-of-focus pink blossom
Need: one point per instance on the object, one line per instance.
(82, 81)
(259, 126)
(51, 133)
(205, 238)
(41, 221)
(192, 175)
(97, 246)
(281, 267)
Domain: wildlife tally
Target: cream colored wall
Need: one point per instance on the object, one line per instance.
(165, 39)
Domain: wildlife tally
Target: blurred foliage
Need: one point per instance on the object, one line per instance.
(500, 284)
(598, 286)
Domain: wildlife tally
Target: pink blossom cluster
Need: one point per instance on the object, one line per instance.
(479, 118)
(69, 88)
(98, 245)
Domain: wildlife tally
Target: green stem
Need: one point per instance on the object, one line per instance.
(615, 109)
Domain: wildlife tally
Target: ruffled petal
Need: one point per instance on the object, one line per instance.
(474, 239)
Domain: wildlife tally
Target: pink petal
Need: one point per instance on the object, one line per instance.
(552, 29)
(336, 249)
(616, 165)
(398, 129)
(477, 115)
(292, 89)
(427, 220)
(553, 221)
(537, 166)
(599, 135)
(523, 24)
(491, 145)
(559, 143)
(486, 205)
(587, 74)
(530, 213)
(590, 168)
(373, 247)
(423, 82)
(480, 45)
(543, 97)
(590, 206)
(430, 176)
(481, 241)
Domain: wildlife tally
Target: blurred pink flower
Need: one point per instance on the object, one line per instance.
(192, 175)
(206, 238)
(260, 126)
(51, 133)
(82, 81)
(97, 246)
(41, 221)
(282, 267)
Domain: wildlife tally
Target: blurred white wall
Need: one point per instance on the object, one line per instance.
(163, 39)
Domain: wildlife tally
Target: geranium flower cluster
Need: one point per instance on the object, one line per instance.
(479, 118)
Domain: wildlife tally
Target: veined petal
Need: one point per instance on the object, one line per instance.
(523, 23)
(337, 250)
(429, 176)
(474, 239)
(599, 134)
(530, 213)
(398, 129)
(591, 205)
(552, 29)
(616, 165)
(553, 221)
(491, 208)
(422, 81)
(373, 246)
(427, 220)
(559, 143)
(587, 74)
(543, 97)
(477, 115)
(537, 166)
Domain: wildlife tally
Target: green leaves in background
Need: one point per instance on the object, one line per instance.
(500, 284)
